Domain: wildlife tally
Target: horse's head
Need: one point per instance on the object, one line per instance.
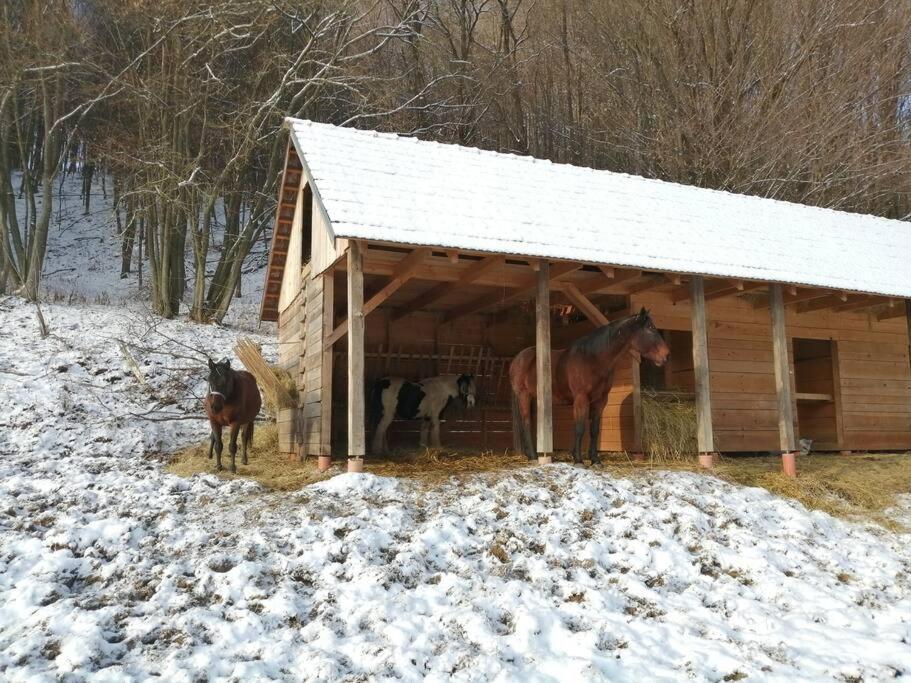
(221, 383)
(647, 341)
(467, 389)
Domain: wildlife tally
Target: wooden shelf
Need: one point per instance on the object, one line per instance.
(828, 398)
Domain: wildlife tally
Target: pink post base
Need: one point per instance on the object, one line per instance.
(707, 460)
(789, 464)
(323, 463)
(355, 464)
(545, 460)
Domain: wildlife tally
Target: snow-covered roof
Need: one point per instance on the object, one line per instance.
(380, 186)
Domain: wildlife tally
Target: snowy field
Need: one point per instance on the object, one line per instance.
(83, 255)
(112, 569)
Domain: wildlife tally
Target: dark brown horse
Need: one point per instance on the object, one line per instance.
(233, 401)
(582, 377)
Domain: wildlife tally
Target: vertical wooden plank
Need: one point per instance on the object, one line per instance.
(704, 435)
(325, 430)
(356, 438)
(780, 359)
(542, 355)
(836, 396)
(908, 321)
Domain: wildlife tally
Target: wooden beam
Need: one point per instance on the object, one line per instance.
(650, 283)
(898, 312)
(403, 272)
(596, 283)
(736, 288)
(782, 365)
(798, 298)
(584, 304)
(861, 302)
(608, 271)
(442, 290)
(325, 408)
(822, 303)
(528, 284)
(357, 445)
(717, 290)
(544, 405)
(704, 434)
(452, 255)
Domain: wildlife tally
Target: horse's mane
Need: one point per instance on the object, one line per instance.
(598, 341)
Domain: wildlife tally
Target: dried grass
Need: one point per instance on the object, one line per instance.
(668, 426)
(273, 401)
(267, 466)
(851, 486)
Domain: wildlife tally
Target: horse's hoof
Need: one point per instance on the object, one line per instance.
(597, 463)
(233, 469)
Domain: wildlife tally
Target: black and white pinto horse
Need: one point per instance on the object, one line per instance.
(394, 397)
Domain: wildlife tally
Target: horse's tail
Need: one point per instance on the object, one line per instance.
(520, 433)
(375, 403)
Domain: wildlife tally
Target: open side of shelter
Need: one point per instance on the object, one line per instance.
(768, 362)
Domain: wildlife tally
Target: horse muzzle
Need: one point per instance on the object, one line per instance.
(469, 401)
(216, 401)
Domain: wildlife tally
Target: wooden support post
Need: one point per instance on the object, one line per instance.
(542, 354)
(357, 447)
(704, 435)
(324, 461)
(782, 365)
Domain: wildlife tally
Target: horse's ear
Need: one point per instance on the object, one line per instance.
(228, 363)
(211, 364)
(643, 315)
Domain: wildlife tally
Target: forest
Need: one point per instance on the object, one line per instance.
(177, 105)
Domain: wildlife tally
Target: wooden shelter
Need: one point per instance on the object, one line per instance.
(396, 256)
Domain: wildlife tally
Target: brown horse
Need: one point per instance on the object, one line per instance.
(233, 401)
(582, 377)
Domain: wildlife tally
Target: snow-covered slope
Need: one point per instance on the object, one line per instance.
(84, 256)
(111, 569)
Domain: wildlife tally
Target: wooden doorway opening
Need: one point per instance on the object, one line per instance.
(815, 392)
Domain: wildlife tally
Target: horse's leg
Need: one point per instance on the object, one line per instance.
(528, 444)
(232, 446)
(580, 413)
(216, 438)
(246, 438)
(435, 431)
(425, 430)
(379, 436)
(211, 441)
(594, 433)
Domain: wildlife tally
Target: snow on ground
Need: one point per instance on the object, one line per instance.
(84, 255)
(112, 569)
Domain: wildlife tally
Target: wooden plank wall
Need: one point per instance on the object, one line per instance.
(311, 387)
(871, 360)
(288, 359)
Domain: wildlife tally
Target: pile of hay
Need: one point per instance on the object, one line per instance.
(273, 401)
(267, 466)
(668, 426)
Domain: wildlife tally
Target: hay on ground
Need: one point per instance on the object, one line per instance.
(852, 486)
(668, 426)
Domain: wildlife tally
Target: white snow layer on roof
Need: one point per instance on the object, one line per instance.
(380, 186)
